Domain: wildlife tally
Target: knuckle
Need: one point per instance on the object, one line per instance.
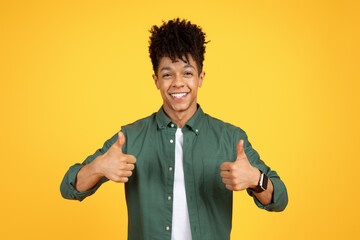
(119, 179)
(233, 166)
(116, 179)
(127, 173)
(236, 182)
(226, 165)
(130, 159)
(233, 175)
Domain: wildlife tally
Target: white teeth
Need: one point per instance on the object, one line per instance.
(178, 95)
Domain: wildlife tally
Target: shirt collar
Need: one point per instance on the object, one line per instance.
(195, 122)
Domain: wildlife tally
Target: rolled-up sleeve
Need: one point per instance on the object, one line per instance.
(67, 187)
(280, 197)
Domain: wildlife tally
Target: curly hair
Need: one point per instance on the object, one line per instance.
(176, 39)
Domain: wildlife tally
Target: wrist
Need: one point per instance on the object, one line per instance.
(256, 178)
(262, 185)
(97, 168)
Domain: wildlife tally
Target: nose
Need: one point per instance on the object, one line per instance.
(178, 81)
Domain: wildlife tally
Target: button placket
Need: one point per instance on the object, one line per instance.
(170, 174)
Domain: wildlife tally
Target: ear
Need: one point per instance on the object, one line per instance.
(156, 81)
(201, 78)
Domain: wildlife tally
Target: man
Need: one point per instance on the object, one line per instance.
(179, 165)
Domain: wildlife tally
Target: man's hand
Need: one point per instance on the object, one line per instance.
(114, 164)
(239, 175)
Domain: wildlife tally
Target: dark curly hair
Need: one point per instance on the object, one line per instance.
(176, 39)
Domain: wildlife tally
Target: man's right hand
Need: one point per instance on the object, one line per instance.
(114, 164)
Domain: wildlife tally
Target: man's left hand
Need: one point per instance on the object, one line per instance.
(239, 175)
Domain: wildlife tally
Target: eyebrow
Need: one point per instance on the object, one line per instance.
(165, 68)
(188, 66)
(169, 68)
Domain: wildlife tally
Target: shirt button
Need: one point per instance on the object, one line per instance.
(169, 198)
(170, 169)
(196, 130)
(167, 228)
(172, 125)
(171, 141)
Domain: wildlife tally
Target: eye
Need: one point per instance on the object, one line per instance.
(166, 75)
(188, 74)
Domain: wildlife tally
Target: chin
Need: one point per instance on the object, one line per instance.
(180, 108)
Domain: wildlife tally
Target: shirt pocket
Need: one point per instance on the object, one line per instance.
(212, 180)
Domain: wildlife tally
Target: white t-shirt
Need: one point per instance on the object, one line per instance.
(180, 218)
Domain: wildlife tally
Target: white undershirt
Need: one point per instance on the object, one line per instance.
(180, 218)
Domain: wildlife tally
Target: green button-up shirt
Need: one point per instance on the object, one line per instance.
(207, 143)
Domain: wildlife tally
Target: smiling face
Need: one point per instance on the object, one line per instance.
(178, 83)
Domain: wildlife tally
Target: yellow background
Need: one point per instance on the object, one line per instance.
(73, 72)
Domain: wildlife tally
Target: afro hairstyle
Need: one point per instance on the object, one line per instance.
(176, 39)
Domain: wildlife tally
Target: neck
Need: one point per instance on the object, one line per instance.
(180, 117)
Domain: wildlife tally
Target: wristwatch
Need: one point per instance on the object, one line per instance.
(262, 185)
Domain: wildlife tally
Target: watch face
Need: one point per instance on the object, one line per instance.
(263, 181)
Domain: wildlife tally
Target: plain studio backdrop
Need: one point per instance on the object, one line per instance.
(73, 72)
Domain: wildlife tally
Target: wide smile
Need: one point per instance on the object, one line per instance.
(178, 96)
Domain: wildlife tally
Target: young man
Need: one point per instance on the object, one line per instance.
(179, 165)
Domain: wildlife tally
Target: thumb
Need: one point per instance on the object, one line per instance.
(121, 140)
(240, 149)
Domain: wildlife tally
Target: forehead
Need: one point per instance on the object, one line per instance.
(178, 63)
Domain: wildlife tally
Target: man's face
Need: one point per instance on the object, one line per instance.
(178, 83)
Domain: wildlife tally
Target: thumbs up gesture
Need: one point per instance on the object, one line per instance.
(114, 164)
(239, 175)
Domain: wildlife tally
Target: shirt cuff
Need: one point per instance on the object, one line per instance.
(279, 199)
(68, 189)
